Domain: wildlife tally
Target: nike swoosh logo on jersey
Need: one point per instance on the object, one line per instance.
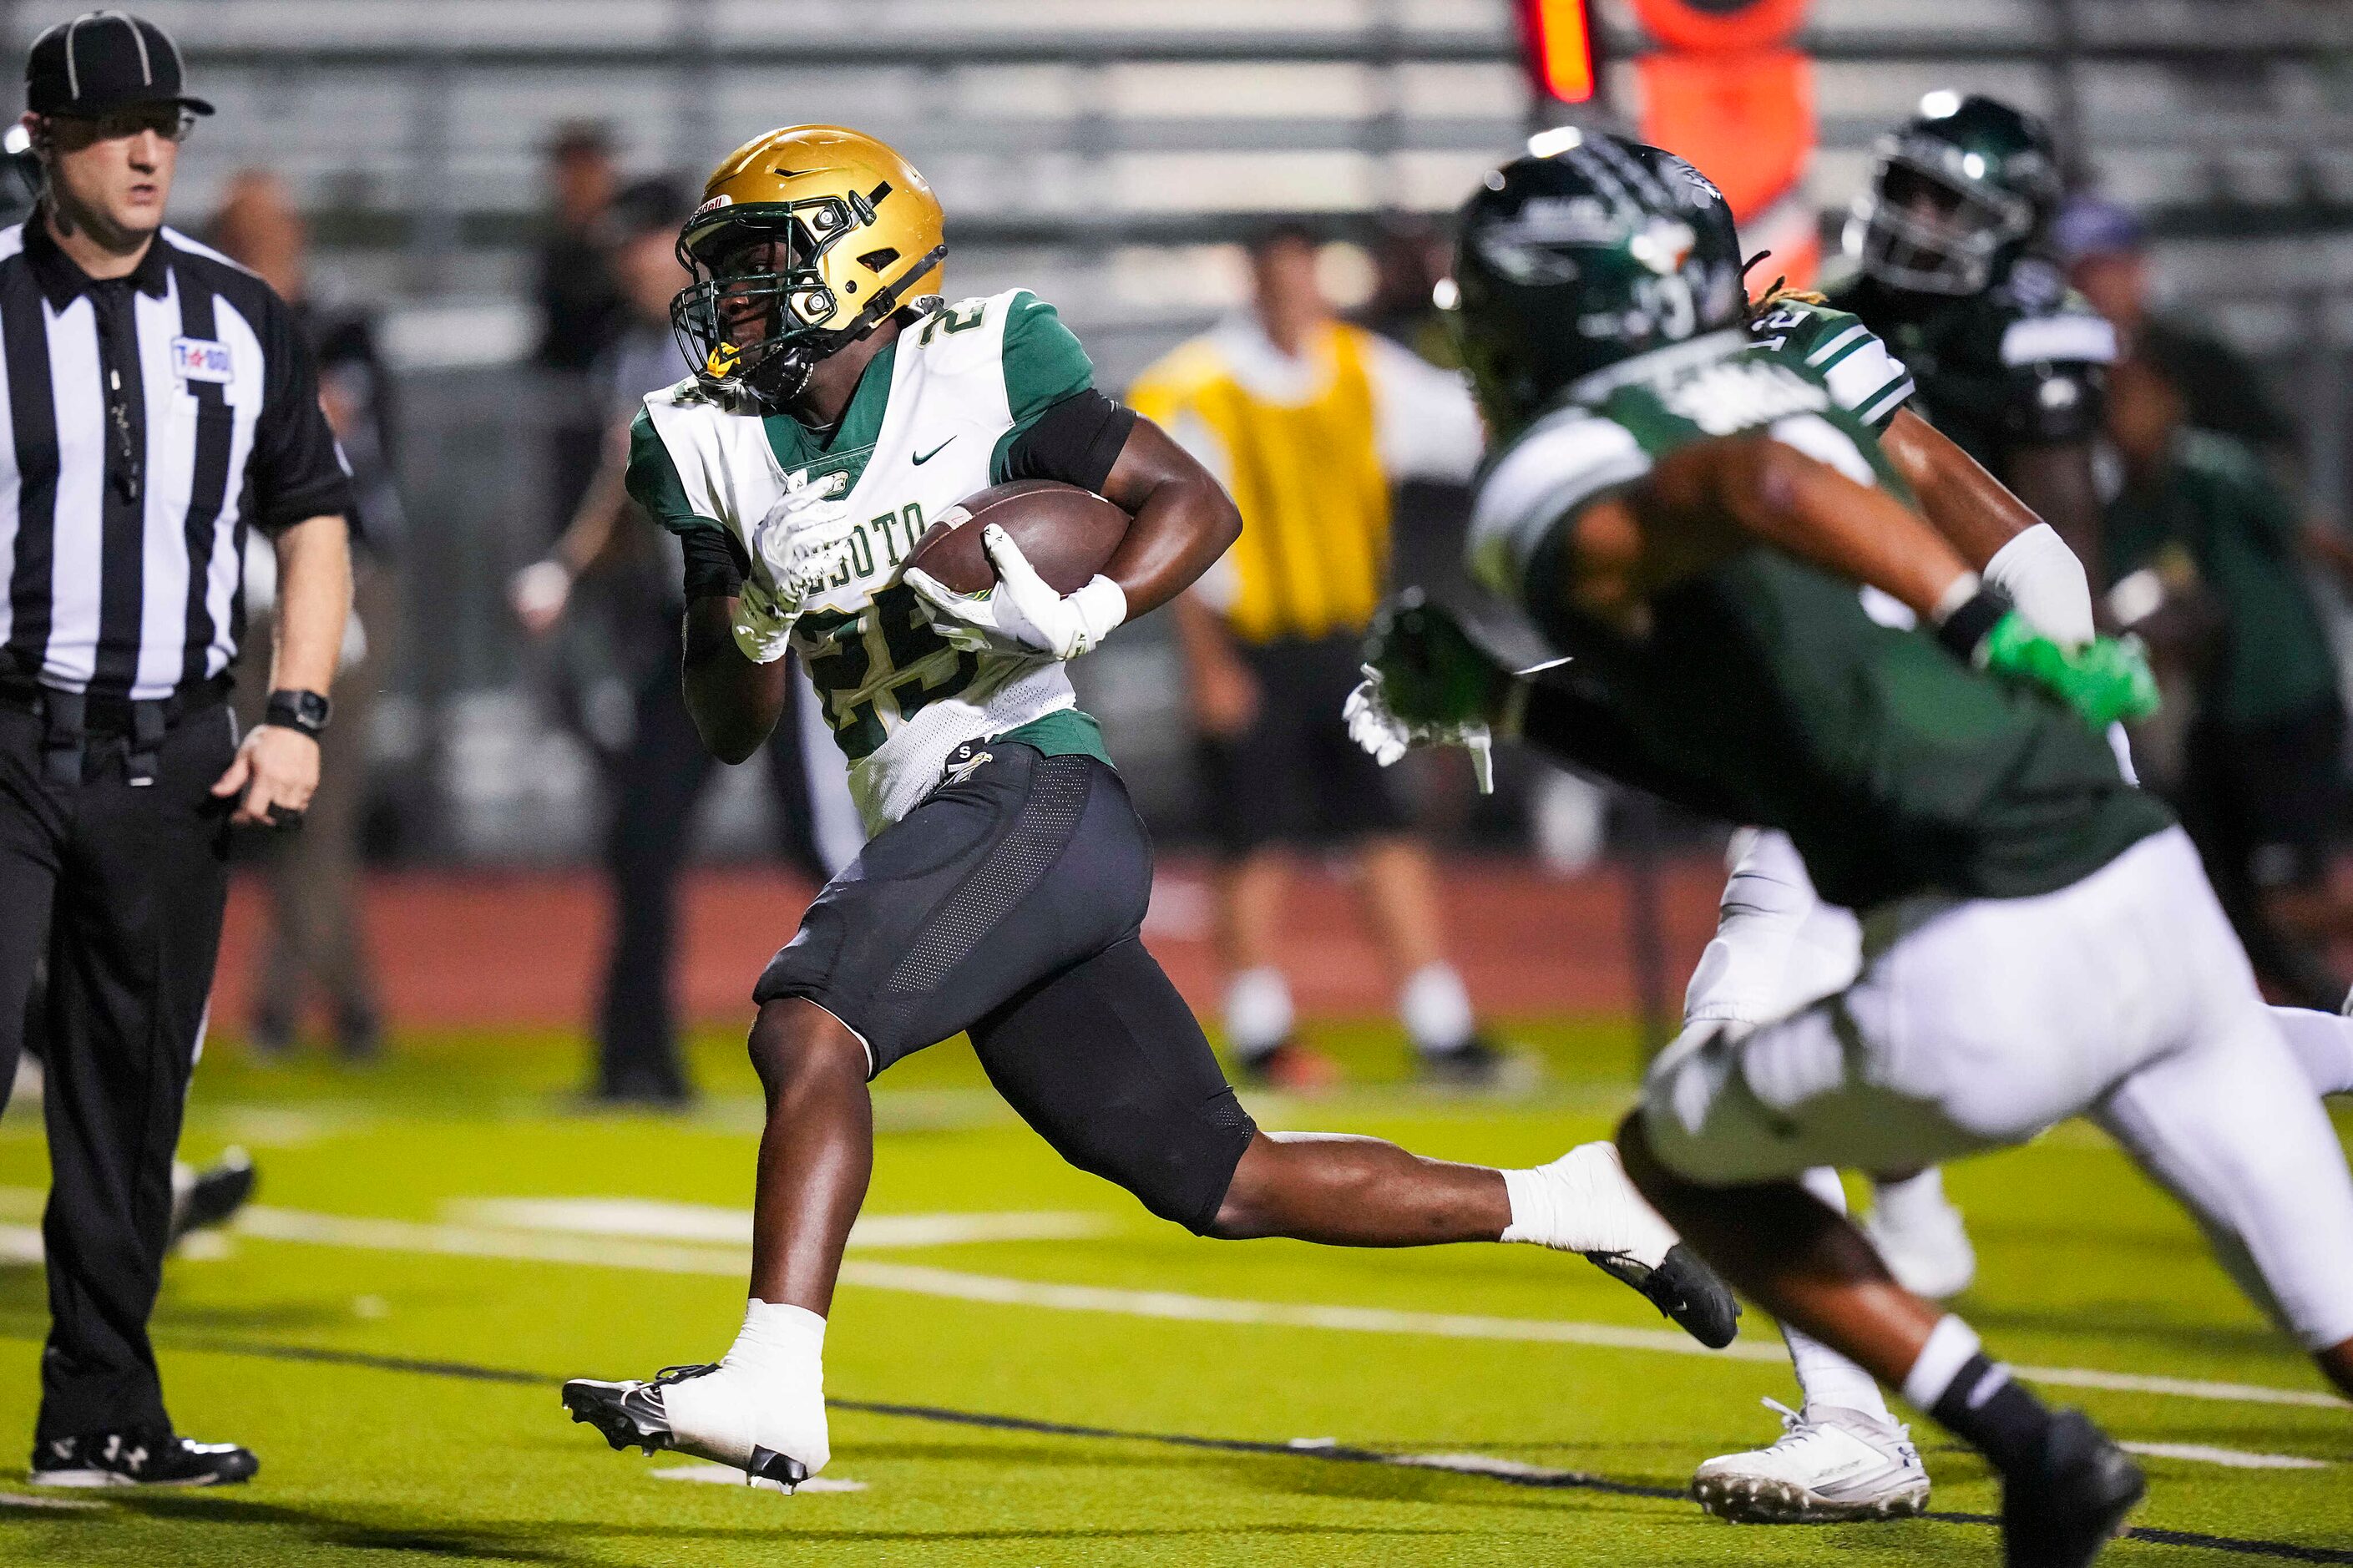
(926, 457)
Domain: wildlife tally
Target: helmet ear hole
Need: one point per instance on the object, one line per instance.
(876, 261)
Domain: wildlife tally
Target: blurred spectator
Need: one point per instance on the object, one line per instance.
(2106, 249)
(2262, 785)
(1310, 421)
(314, 940)
(1412, 257)
(581, 305)
(659, 771)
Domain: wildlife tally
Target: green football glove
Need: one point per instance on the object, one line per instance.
(2105, 679)
(1426, 683)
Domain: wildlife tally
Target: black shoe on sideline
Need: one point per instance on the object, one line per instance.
(218, 1191)
(1290, 1066)
(2074, 1503)
(140, 1460)
(1480, 1066)
(1683, 1288)
(359, 1033)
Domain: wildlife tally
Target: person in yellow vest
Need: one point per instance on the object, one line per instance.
(1310, 423)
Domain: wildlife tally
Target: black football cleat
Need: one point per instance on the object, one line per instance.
(630, 1415)
(2074, 1503)
(139, 1460)
(212, 1196)
(1683, 1289)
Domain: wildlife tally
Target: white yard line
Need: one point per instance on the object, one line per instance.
(22, 1500)
(654, 1219)
(730, 1262)
(955, 1285)
(728, 1476)
(2231, 1458)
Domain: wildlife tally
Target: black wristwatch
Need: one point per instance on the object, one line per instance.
(305, 711)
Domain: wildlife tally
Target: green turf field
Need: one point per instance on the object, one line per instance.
(388, 1332)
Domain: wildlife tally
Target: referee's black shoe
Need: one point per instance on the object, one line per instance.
(140, 1460)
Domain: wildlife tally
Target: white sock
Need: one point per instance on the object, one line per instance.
(1824, 1376)
(2323, 1047)
(1436, 1010)
(1583, 1202)
(1950, 1345)
(768, 1393)
(1258, 1011)
(1915, 1200)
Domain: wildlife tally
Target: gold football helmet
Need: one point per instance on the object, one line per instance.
(807, 239)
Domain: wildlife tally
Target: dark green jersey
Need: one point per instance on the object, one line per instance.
(2212, 501)
(2023, 363)
(1761, 682)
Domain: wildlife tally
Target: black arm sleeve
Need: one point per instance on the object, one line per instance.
(1573, 726)
(1076, 441)
(716, 564)
(296, 471)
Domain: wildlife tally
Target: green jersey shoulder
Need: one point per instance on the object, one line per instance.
(1593, 446)
(935, 418)
(1862, 376)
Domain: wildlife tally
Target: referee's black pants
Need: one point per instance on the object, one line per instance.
(126, 883)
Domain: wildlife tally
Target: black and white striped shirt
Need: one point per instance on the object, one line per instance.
(145, 424)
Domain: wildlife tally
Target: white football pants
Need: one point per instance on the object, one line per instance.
(1974, 1025)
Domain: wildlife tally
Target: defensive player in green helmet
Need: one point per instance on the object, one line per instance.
(1685, 520)
(1842, 1455)
(1948, 239)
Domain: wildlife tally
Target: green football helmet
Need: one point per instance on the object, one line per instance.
(1588, 251)
(1960, 192)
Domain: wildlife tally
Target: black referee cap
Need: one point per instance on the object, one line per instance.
(105, 60)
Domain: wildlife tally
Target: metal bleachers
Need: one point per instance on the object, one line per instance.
(1104, 153)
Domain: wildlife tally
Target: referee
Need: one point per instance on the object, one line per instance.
(159, 403)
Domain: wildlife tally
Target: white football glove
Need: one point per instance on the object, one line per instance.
(796, 548)
(1022, 614)
(762, 628)
(1380, 732)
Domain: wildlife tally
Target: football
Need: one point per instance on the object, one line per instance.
(1068, 534)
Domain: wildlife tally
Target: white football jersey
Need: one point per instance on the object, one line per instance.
(932, 422)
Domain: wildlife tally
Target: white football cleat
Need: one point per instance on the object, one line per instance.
(712, 1412)
(1830, 1464)
(1925, 1245)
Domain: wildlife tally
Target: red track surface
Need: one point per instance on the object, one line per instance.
(467, 949)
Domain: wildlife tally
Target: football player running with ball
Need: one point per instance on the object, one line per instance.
(837, 408)
(1686, 519)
